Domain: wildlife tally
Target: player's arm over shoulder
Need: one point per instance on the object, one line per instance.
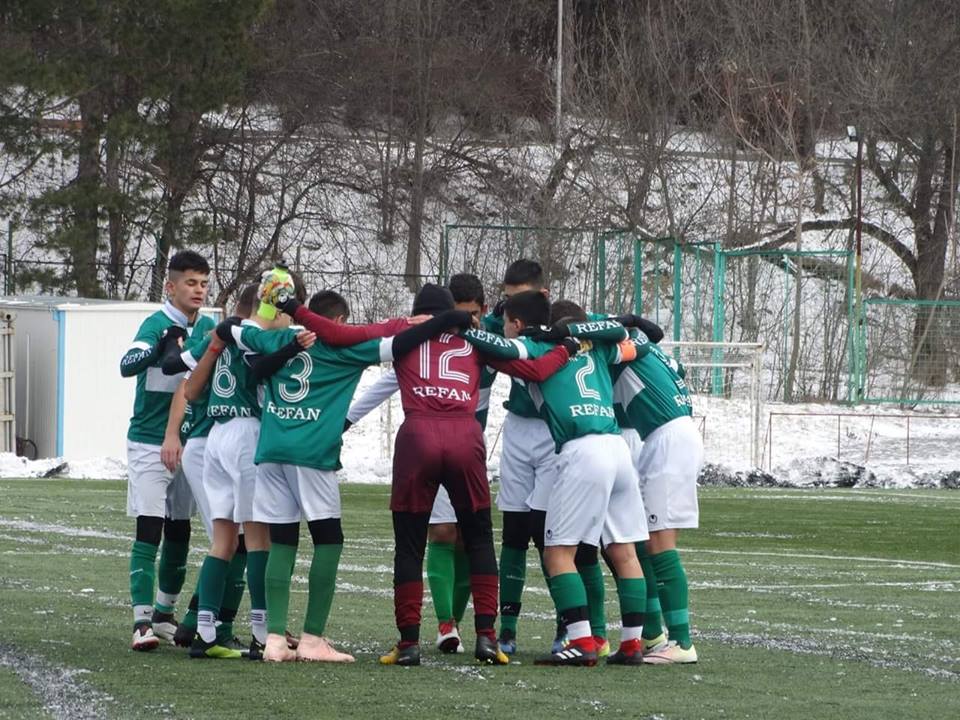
(144, 350)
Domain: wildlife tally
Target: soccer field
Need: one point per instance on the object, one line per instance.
(805, 604)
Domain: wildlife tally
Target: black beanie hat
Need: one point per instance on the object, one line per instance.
(432, 300)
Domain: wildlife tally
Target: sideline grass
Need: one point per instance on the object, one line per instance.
(805, 604)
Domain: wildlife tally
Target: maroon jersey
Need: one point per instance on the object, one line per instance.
(440, 376)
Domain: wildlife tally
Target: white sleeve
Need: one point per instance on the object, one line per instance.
(377, 393)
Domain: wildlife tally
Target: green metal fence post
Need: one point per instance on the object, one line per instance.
(444, 251)
(719, 270)
(600, 242)
(637, 275)
(677, 285)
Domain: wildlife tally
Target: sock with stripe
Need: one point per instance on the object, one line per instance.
(652, 626)
(673, 589)
(171, 573)
(190, 617)
(277, 576)
(322, 584)
(213, 578)
(570, 597)
(632, 593)
(461, 583)
(232, 594)
(592, 577)
(513, 576)
(440, 576)
(143, 559)
(256, 583)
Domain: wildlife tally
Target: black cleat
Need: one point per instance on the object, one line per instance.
(488, 651)
(570, 655)
(629, 655)
(255, 651)
(201, 649)
(183, 637)
(406, 657)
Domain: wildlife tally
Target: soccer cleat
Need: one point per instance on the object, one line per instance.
(572, 655)
(292, 640)
(650, 643)
(314, 648)
(165, 626)
(488, 651)
(183, 637)
(202, 649)
(448, 638)
(603, 646)
(507, 642)
(254, 651)
(670, 653)
(629, 653)
(276, 649)
(406, 656)
(560, 639)
(143, 639)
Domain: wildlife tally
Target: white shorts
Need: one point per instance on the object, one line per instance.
(286, 493)
(596, 496)
(528, 464)
(152, 490)
(668, 468)
(191, 464)
(229, 475)
(632, 438)
(443, 511)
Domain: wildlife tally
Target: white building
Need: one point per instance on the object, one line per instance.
(70, 399)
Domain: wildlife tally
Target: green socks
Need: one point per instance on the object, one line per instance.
(256, 581)
(652, 627)
(672, 585)
(592, 577)
(232, 595)
(567, 591)
(323, 582)
(461, 583)
(277, 576)
(513, 575)
(441, 569)
(171, 573)
(213, 578)
(633, 602)
(143, 559)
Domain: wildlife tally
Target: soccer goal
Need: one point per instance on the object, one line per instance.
(724, 380)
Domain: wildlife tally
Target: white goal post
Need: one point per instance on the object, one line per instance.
(725, 380)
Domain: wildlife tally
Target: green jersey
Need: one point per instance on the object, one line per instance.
(233, 391)
(196, 423)
(650, 391)
(306, 401)
(154, 393)
(518, 402)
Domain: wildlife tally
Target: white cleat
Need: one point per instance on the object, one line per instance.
(670, 653)
(448, 638)
(143, 639)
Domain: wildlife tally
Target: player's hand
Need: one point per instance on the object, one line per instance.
(224, 330)
(552, 334)
(571, 345)
(306, 339)
(171, 452)
(173, 334)
(417, 319)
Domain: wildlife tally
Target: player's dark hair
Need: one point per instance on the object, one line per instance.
(329, 304)
(466, 288)
(524, 272)
(530, 307)
(247, 300)
(566, 311)
(188, 260)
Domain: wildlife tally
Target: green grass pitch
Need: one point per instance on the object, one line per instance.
(816, 603)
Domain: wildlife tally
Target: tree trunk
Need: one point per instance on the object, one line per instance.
(789, 383)
(116, 235)
(86, 209)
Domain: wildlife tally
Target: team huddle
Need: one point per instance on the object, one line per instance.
(243, 422)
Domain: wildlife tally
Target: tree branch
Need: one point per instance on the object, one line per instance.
(894, 193)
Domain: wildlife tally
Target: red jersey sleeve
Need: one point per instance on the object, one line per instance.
(340, 335)
(533, 370)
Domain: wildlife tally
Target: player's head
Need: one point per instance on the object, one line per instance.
(467, 291)
(523, 275)
(525, 309)
(564, 312)
(331, 305)
(187, 277)
(246, 301)
(432, 300)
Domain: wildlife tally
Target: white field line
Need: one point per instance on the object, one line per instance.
(925, 586)
(59, 689)
(815, 556)
(56, 529)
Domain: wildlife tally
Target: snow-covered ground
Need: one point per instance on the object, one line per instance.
(799, 445)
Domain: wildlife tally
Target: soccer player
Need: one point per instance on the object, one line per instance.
(448, 571)
(159, 499)
(595, 496)
(651, 395)
(298, 455)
